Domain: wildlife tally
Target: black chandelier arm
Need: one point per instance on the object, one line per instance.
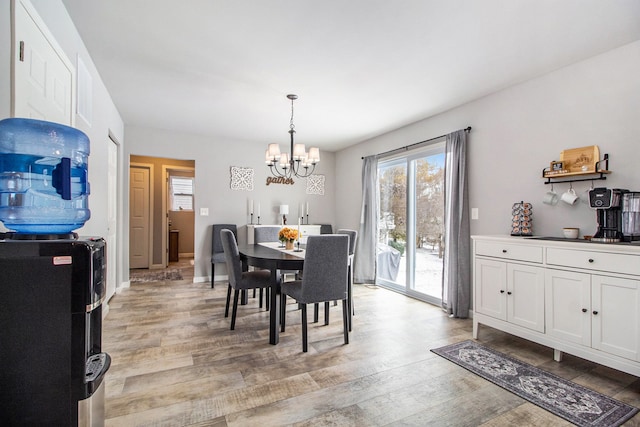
(292, 170)
(307, 172)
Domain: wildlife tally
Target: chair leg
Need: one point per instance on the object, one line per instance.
(212, 274)
(326, 312)
(315, 312)
(344, 321)
(226, 308)
(267, 298)
(304, 328)
(235, 309)
(254, 294)
(283, 311)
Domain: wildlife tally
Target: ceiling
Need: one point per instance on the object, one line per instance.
(361, 68)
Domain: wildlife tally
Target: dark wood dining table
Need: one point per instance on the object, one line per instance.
(260, 256)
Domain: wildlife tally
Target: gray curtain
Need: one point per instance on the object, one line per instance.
(364, 269)
(456, 286)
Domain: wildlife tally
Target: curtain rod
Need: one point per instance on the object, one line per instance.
(406, 147)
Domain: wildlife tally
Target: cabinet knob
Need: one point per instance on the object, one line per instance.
(502, 291)
(595, 312)
(590, 259)
(508, 293)
(504, 251)
(584, 310)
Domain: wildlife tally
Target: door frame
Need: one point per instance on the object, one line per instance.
(149, 166)
(165, 206)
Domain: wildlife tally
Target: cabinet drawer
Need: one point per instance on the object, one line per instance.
(601, 261)
(509, 251)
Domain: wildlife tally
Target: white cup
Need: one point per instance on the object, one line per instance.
(551, 198)
(570, 197)
(570, 232)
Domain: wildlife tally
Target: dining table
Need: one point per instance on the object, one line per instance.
(270, 256)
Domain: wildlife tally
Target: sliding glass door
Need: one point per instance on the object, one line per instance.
(410, 223)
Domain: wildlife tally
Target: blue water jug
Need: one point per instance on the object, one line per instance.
(43, 176)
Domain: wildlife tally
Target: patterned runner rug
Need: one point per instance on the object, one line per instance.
(573, 402)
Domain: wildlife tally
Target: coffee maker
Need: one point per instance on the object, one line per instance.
(607, 203)
(631, 216)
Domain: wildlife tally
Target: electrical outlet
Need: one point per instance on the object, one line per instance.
(474, 213)
(204, 211)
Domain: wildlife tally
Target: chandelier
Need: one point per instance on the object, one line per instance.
(297, 162)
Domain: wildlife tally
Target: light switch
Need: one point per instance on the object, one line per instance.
(204, 211)
(474, 213)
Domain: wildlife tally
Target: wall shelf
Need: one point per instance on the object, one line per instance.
(597, 174)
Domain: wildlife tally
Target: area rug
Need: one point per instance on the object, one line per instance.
(155, 276)
(573, 402)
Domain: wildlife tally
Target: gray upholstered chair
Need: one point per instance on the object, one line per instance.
(266, 234)
(238, 279)
(324, 279)
(326, 229)
(217, 252)
(353, 237)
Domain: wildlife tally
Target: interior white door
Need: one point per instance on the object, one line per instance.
(112, 217)
(139, 216)
(43, 75)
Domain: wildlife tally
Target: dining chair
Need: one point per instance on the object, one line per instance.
(353, 237)
(266, 234)
(217, 252)
(238, 279)
(326, 229)
(324, 279)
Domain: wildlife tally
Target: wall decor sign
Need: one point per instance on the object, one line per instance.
(315, 184)
(241, 178)
(280, 180)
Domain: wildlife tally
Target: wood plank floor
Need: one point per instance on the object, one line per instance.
(176, 363)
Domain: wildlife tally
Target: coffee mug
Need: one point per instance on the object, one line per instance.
(551, 198)
(570, 196)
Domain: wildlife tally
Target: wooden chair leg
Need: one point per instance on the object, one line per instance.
(315, 312)
(226, 308)
(283, 311)
(326, 312)
(212, 274)
(304, 328)
(344, 321)
(235, 309)
(254, 294)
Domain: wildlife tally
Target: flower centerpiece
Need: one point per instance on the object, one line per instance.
(288, 236)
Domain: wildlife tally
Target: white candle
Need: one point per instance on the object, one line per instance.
(301, 209)
(298, 229)
(251, 206)
(258, 211)
(307, 208)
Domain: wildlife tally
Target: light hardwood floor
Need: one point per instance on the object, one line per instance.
(176, 363)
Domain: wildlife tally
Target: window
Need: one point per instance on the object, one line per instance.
(181, 191)
(410, 222)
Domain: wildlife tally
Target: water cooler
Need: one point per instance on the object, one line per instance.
(52, 283)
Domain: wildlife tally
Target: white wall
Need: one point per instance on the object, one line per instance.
(518, 131)
(106, 119)
(214, 159)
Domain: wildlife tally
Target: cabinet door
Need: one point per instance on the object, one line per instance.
(615, 315)
(525, 296)
(568, 306)
(490, 288)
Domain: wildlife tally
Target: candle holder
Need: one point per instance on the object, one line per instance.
(252, 219)
(307, 219)
(298, 246)
(258, 220)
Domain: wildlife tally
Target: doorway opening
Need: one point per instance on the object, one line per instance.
(161, 218)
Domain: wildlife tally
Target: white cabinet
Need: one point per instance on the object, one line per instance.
(305, 231)
(615, 321)
(510, 292)
(579, 298)
(568, 306)
(593, 310)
